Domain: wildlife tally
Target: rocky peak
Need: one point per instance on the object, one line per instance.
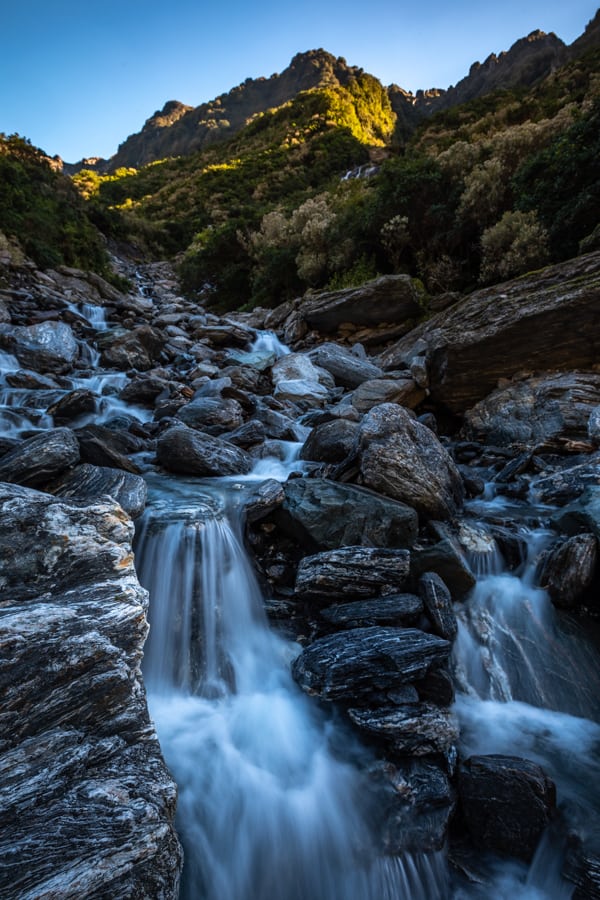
(168, 115)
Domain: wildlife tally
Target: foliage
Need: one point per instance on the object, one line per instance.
(512, 246)
(41, 209)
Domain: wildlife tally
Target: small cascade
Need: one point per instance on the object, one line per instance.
(94, 315)
(266, 809)
(268, 342)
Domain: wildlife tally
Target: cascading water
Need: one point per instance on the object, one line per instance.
(266, 809)
(530, 687)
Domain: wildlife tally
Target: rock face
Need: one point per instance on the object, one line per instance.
(512, 327)
(333, 515)
(545, 412)
(403, 459)
(507, 803)
(77, 744)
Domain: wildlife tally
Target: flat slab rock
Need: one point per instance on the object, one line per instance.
(352, 572)
(409, 729)
(86, 801)
(393, 609)
(362, 661)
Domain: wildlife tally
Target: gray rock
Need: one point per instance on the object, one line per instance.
(215, 416)
(263, 500)
(389, 298)
(88, 482)
(393, 609)
(567, 484)
(543, 413)
(188, 452)
(593, 428)
(84, 787)
(352, 665)
(507, 803)
(569, 569)
(445, 560)
(438, 605)
(410, 729)
(330, 442)
(47, 347)
(137, 349)
(347, 369)
(352, 572)
(307, 393)
(403, 459)
(332, 515)
(40, 458)
(73, 404)
(582, 515)
(402, 391)
(102, 446)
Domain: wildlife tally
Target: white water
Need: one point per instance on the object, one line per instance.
(268, 342)
(266, 810)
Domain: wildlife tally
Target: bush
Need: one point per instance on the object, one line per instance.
(515, 244)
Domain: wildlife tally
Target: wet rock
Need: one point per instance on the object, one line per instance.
(402, 391)
(47, 347)
(73, 404)
(438, 605)
(144, 389)
(278, 426)
(538, 321)
(582, 515)
(565, 485)
(410, 729)
(88, 482)
(309, 393)
(259, 360)
(582, 868)
(137, 349)
(569, 569)
(393, 609)
(214, 416)
(352, 572)
(331, 515)
(330, 442)
(82, 775)
(446, 560)
(188, 452)
(593, 428)
(416, 801)
(347, 368)
(507, 803)
(436, 687)
(226, 334)
(403, 459)
(103, 447)
(352, 665)
(263, 500)
(30, 381)
(248, 435)
(546, 412)
(37, 460)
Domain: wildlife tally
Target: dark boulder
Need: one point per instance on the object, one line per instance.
(353, 665)
(393, 609)
(352, 572)
(73, 404)
(331, 515)
(569, 569)
(88, 482)
(137, 349)
(40, 458)
(507, 802)
(438, 605)
(212, 415)
(188, 452)
(330, 442)
(410, 729)
(47, 347)
(446, 560)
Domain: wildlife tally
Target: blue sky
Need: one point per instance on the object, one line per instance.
(76, 78)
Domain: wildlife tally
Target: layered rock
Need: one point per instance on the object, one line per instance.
(78, 747)
(513, 327)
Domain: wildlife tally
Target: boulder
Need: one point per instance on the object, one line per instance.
(567, 484)
(88, 482)
(306, 393)
(352, 665)
(40, 458)
(582, 515)
(331, 515)
(539, 321)
(547, 412)
(346, 367)
(330, 442)
(102, 446)
(212, 415)
(409, 729)
(85, 789)
(507, 803)
(137, 349)
(393, 609)
(47, 347)
(352, 572)
(144, 389)
(569, 569)
(73, 404)
(188, 452)
(387, 299)
(402, 391)
(446, 560)
(403, 459)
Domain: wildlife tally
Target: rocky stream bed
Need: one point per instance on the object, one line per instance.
(367, 552)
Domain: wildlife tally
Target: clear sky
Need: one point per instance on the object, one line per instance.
(78, 77)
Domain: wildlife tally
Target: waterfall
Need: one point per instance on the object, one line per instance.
(267, 810)
(530, 686)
